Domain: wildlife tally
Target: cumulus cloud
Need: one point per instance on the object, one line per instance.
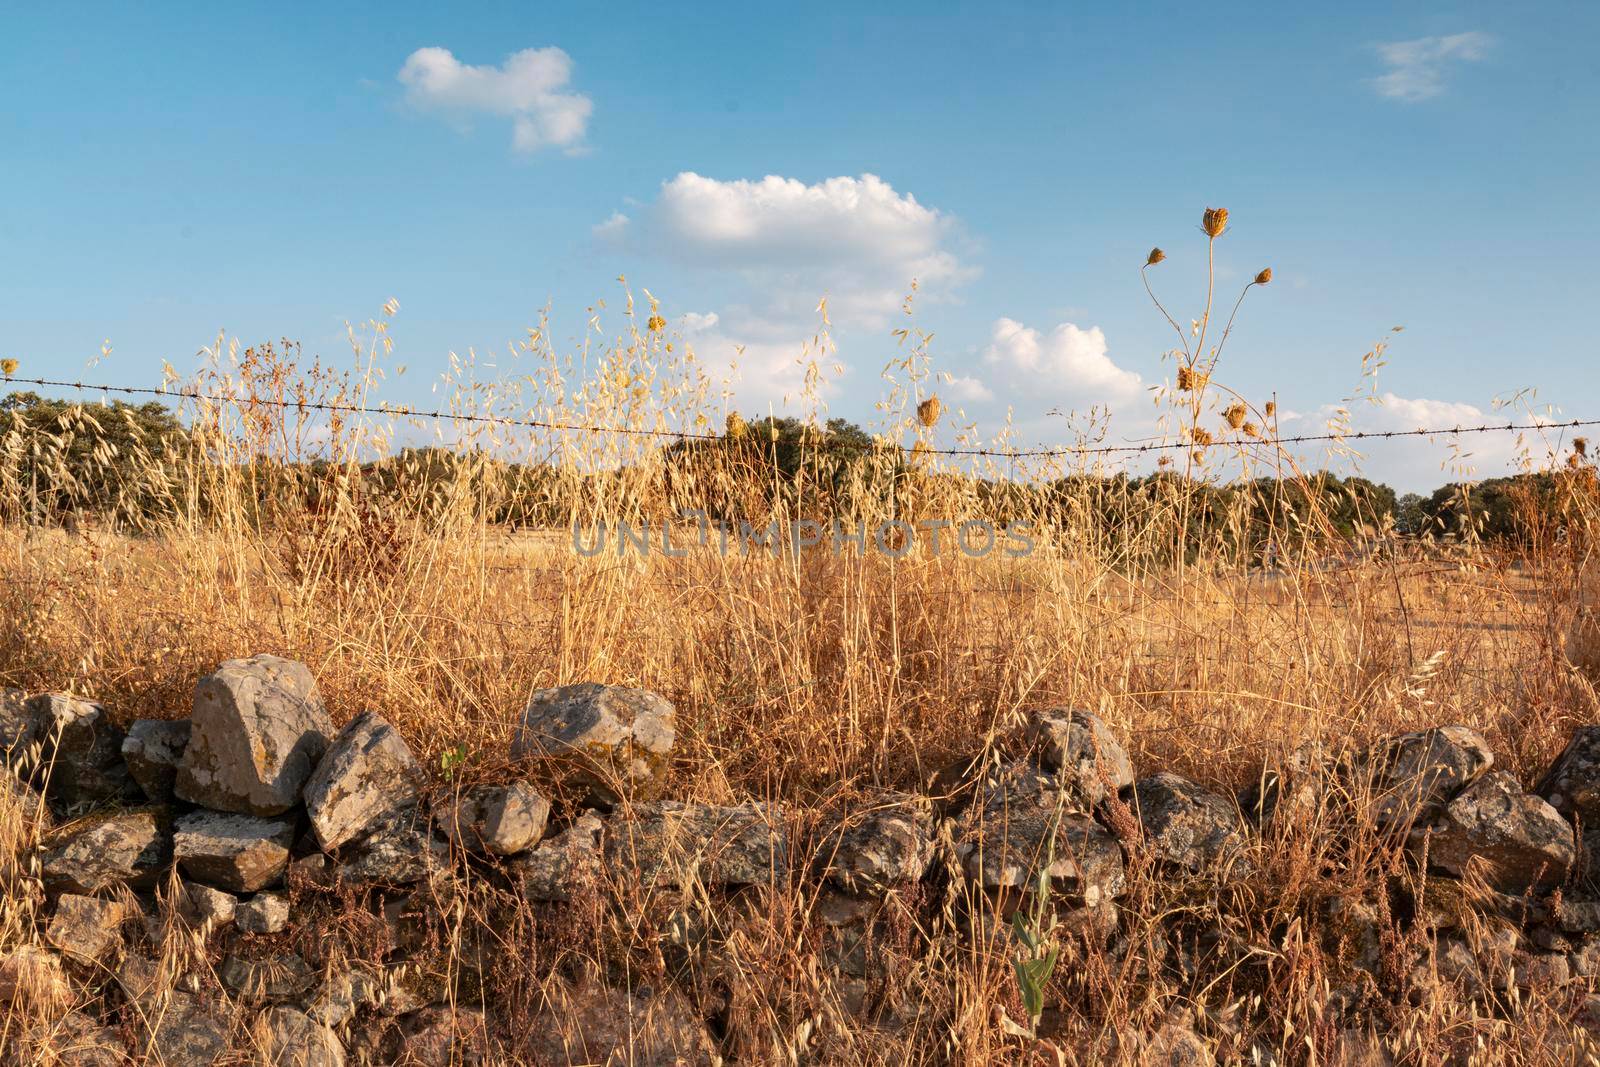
(1069, 364)
(529, 88)
(968, 390)
(775, 246)
(857, 241)
(1416, 68)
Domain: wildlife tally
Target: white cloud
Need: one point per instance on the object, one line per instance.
(1416, 68)
(855, 240)
(695, 322)
(1068, 364)
(968, 390)
(527, 88)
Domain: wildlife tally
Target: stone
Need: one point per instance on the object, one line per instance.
(618, 735)
(443, 1035)
(670, 842)
(497, 820)
(891, 844)
(86, 929)
(18, 728)
(259, 727)
(1414, 775)
(565, 866)
(595, 1024)
(80, 752)
(238, 853)
(140, 977)
(1518, 841)
(207, 906)
(399, 850)
(1572, 784)
(1187, 826)
(367, 773)
(1584, 959)
(184, 1032)
(126, 849)
(347, 988)
(1014, 849)
(32, 982)
(281, 978)
(152, 750)
(264, 913)
(1354, 935)
(1081, 748)
(74, 1040)
(287, 1037)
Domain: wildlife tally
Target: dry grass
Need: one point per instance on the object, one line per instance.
(815, 679)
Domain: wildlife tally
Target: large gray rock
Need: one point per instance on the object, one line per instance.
(500, 820)
(1013, 848)
(367, 774)
(1517, 841)
(287, 1037)
(259, 727)
(1412, 776)
(80, 752)
(617, 734)
(890, 844)
(1082, 750)
(239, 853)
(1572, 784)
(670, 843)
(152, 750)
(129, 849)
(1186, 825)
(564, 867)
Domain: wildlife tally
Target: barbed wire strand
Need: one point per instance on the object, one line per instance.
(401, 411)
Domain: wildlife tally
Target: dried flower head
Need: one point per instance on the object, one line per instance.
(1250, 429)
(1271, 409)
(1200, 436)
(1235, 415)
(656, 324)
(1214, 221)
(8, 367)
(1190, 380)
(735, 426)
(1265, 276)
(1156, 256)
(928, 411)
(1580, 445)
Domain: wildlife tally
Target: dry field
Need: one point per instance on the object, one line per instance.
(819, 680)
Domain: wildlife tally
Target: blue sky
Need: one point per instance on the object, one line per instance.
(170, 172)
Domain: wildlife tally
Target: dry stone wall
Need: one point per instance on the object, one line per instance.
(232, 820)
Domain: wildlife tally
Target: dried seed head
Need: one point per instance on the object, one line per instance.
(1200, 436)
(1235, 415)
(1190, 381)
(1156, 256)
(1271, 408)
(1580, 445)
(656, 324)
(1214, 221)
(928, 411)
(8, 367)
(1251, 429)
(1265, 276)
(735, 426)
